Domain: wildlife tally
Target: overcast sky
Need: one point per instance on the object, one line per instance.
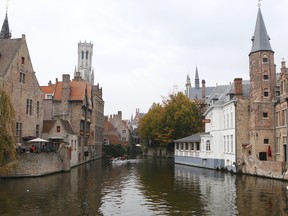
(144, 49)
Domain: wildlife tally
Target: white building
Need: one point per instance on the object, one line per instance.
(216, 148)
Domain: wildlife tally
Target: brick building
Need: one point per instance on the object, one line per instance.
(18, 79)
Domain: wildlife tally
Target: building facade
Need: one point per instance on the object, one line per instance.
(18, 79)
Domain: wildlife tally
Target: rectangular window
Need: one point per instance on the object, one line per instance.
(232, 143)
(192, 146)
(265, 77)
(231, 118)
(29, 107)
(18, 129)
(266, 141)
(58, 129)
(123, 139)
(224, 143)
(266, 94)
(123, 131)
(197, 146)
(265, 115)
(284, 139)
(186, 146)
(277, 145)
(177, 145)
(285, 117)
(37, 130)
(38, 108)
(22, 78)
(277, 119)
(228, 144)
(22, 60)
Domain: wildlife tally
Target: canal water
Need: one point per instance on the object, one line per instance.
(143, 187)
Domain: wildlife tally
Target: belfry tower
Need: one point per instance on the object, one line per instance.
(262, 92)
(85, 53)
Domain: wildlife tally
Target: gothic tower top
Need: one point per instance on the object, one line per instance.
(85, 52)
(5, 32)
(197, 86)
(260, 40)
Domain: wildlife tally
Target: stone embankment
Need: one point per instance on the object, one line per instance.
(251, 165)
(39, 164)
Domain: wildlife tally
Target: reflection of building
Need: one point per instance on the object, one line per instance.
(204, 183)
(19, 80)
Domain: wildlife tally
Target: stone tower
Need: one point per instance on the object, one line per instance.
(85, 53)
(188, 86)
(262, 93)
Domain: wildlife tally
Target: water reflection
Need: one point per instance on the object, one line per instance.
(148, 187)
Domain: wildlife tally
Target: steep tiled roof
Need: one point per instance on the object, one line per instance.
(77, 92)
(48, 89)
(8, 50)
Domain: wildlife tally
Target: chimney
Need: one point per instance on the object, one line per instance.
(50, 83)
(120, 115)
(65, 81)
(203, 90)
(238, 87)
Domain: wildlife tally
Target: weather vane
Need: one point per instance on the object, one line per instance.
(259, 4)
(7, 3)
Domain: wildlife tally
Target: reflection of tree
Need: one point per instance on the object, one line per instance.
(163, 188)
(75, 193)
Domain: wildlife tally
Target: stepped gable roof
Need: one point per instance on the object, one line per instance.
(48, 124)
(192, 138)
(5, 32)
(77, 93)
(8, 50)
(260, 40)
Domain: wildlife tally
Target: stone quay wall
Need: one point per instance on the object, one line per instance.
(251, 165)
(39, 164)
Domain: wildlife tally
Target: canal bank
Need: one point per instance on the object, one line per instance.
(40, 164)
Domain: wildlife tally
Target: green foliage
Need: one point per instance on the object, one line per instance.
(176, 118)
(114, 150)
(7, 128)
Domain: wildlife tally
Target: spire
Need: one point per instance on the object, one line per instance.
(260, 40)
(197, 86)
(5, 33)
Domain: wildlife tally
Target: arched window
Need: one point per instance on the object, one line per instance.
(82, 55)
(208, 145)
(87, 54)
